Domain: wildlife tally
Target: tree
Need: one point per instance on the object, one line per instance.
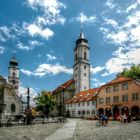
(133, 72)
(45, 102)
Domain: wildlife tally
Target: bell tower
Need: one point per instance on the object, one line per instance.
(81, 67)
(13, 77)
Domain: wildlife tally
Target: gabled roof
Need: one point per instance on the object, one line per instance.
(63, 86)
(86, 95)
(119, 79)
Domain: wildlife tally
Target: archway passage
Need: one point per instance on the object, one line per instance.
(0, 111)
(116, 112)
(101, 111)
(108, 112)
(125, 110)
(135, 111)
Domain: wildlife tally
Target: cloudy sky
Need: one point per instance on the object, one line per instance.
(42, 35)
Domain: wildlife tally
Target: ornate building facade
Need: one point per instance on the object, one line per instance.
(121, 95)
(10, 102)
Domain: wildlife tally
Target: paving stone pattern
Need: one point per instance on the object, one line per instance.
(74, 129)
(90, 130)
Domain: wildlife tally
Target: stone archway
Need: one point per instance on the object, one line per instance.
(116, 112)
(125, 110)
(135, 111)
(108, 112)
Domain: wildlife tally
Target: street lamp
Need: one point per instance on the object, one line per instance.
(28, 98)
(63, 104)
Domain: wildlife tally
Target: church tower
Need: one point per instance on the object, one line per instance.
(13, 77)
(81, 67)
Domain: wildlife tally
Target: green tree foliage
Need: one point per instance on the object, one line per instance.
(133, 72)
(45, 102)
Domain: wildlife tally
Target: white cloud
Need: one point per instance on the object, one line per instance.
(111, 22)
(86, 19)
(96, 69)
(51, 11)
(34, 43)
(27, 72)
(110, 4)
(34, 30)
(21, 46)
(48, 69)
(2, 49)
(123, 59)
(51, 57)
(118, 38)
(126, 36)
(133, 6)
(5, 33)
(96, 82)
(51, 6)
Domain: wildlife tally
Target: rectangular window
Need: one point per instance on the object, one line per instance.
(79, 104)
(84, 74)
(135, 96)
(116, 88)
(83, 103)
(108, 90)
(85, 67)
(124, 86)
(100, 100)
(93, 112)
(115, 99)
(88, 103)
(79, 112)
(107, 99)
(125, 98)
(93, 102)
(83, 112)
(88, 112)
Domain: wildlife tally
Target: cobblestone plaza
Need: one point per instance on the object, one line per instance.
(74, 129)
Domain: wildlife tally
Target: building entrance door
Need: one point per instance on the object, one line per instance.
(135, 111)
(116, 112)
(125, 110)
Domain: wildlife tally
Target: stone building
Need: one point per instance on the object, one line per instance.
(10, 103)
(63, 93)
(83, 104)
(121, 95)
(81, 76)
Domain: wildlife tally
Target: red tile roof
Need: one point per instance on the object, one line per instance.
(86, 95)
(117, 80)
(63, 86)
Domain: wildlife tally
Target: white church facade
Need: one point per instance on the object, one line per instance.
(10, 102)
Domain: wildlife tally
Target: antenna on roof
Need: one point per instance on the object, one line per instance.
(81, 26)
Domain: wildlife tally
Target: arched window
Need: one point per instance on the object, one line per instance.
(13, 108)
(14, 74)
(76, 56)
(85, 55)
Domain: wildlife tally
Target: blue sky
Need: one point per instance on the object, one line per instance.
(42, 34)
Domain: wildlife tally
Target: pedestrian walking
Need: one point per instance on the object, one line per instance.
(124, 118)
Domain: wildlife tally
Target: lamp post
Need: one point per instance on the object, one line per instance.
(28, 98)
(62, 103)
